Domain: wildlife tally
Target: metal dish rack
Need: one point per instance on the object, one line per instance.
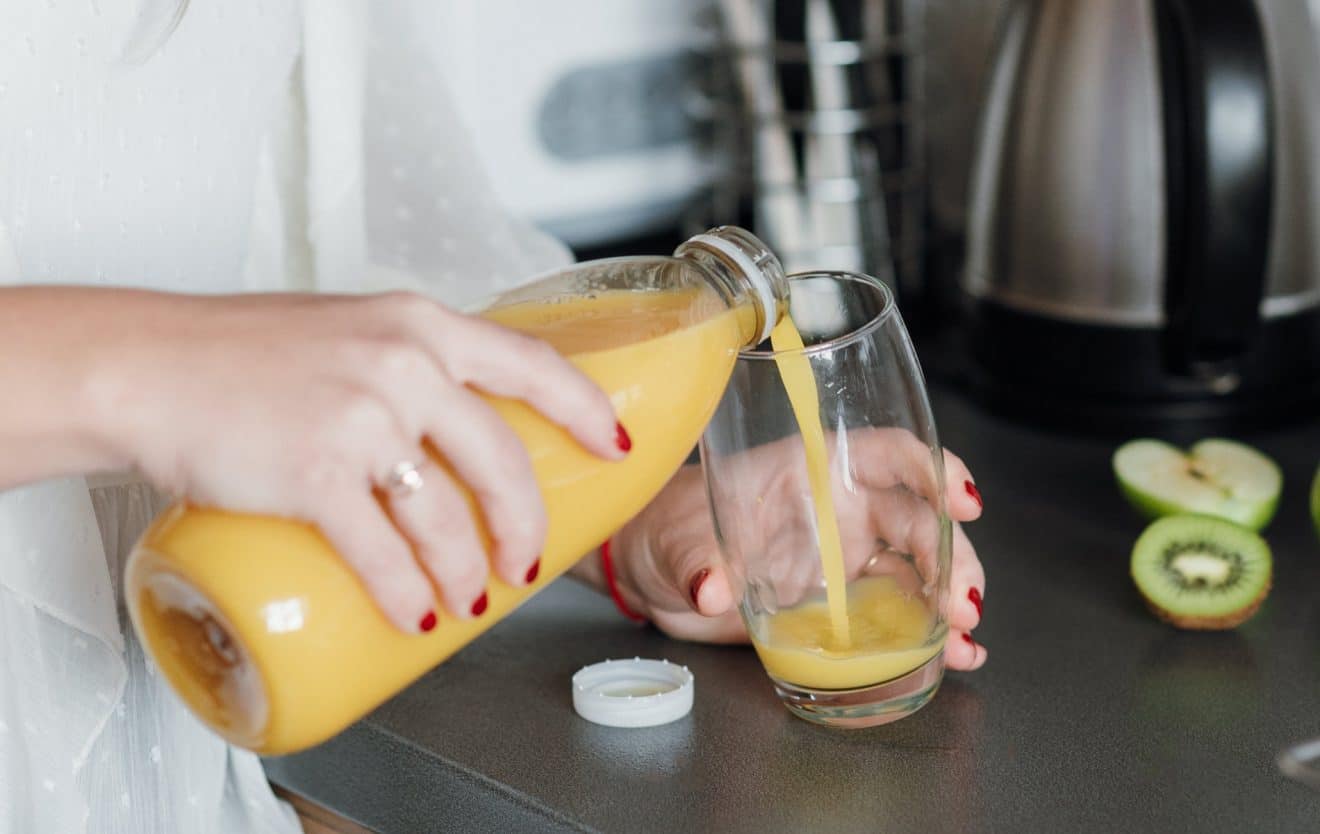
(815, 106)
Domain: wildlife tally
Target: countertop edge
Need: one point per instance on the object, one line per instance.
(371, 768)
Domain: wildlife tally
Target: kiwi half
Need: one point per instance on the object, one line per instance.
(1201, 572)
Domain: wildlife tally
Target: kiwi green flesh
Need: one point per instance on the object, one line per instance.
(1201, 572)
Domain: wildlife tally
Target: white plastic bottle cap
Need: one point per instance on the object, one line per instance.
(633, 693)
(765, 293)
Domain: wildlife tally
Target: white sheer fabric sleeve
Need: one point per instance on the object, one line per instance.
(61, 649)
(108, 174)
(397, 197)
(364, 180)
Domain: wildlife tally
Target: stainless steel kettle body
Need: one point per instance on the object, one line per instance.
(1144, 210)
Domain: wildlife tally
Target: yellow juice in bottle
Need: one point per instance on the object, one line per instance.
(270, 638)
(861, 633)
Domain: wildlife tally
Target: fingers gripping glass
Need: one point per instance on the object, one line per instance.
(827, 489)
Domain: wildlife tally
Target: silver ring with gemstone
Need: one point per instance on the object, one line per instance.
(404, 479)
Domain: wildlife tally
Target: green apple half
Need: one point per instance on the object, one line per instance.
(1315, 501)
(1215, 477)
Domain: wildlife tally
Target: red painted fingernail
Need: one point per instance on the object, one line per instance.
(975, 596)
(428, 622)
(974, 492)
(534, 571)
(967, 638)
(479, 607)
(621, 438)
(697, 581)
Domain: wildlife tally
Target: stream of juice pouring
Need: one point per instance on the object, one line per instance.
(800, 384)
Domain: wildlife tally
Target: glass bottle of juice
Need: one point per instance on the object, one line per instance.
(271, 640)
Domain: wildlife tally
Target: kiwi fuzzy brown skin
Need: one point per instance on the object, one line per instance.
(1223, 623)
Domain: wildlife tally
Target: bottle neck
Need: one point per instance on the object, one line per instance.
(745, 273)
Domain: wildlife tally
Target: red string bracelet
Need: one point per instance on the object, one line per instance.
(608, 564)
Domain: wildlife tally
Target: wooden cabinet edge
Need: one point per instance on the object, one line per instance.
(317, 819)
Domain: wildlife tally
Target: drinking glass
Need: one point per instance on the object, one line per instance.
(870, 650)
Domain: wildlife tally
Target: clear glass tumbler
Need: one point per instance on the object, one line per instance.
(848, 618)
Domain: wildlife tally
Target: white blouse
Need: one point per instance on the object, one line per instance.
(260, 145)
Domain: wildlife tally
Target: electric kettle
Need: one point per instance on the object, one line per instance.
(1144, 215)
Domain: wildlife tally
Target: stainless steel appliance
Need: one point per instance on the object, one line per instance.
(1144, 211)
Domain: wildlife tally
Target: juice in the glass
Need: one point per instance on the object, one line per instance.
(891, 629)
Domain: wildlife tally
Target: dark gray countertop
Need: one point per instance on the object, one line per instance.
(1090, 716)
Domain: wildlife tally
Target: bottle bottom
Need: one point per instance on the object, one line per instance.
(195, 647)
